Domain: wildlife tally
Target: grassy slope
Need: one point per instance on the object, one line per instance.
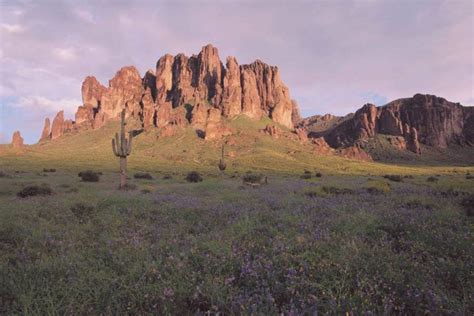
(185, 151)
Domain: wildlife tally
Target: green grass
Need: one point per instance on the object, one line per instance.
(219, 245)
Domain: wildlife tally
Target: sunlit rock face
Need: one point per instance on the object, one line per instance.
(17, 140)
(422, 119)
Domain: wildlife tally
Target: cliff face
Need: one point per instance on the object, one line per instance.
(424, 119)
(178, 84)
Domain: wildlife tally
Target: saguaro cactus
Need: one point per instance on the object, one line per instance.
(122, 147)
(222, 164)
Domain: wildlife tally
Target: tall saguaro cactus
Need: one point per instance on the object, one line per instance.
(122, 147)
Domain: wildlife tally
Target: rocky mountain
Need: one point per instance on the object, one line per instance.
(425, 119)
(197, 90)
(200, 91)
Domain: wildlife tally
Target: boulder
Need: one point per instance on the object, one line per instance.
(320, 146)
(355, 152)
(302, 134)
(272, 130)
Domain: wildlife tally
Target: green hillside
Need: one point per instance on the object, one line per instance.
(249, 150)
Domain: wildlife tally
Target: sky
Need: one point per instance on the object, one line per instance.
(334, 56)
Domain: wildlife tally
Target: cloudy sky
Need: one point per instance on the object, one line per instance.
(334, 55)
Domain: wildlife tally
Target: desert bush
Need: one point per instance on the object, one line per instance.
(416, 204)
(393, 177)
(468, 204)
(194, 177)
(432, 179)
(89, 176)
(318, 175)
(306, 175)
(312, 193)
(49, 170)
(4, 175)
(254, 179)
(129, 187)
(143, 175)
(469, 177)
(377, 187)
(33, 190)
(82, 211)
(145, 191)
(167, 177)
(336, 190)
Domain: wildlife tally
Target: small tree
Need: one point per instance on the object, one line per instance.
(222, 164)
(122, 147)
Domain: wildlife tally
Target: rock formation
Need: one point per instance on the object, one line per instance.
(214, 127)
(424, 119)
(57, 128)
(203, 92)
(183, 85)
(232, 89)
(46, 130)
(17, 140)
(354, 152)
(272, 130)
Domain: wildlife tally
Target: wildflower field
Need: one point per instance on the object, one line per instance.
(297, 245)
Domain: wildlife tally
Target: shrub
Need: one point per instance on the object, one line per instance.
(4, 175)
(129, 187)
(336, 190)
(469, 177)
(194, 177)
(146, 191)
(432, 179)
(167, 177)
(468, 204)
(318, 174)
(377, 187)
(312, 193)
(393, 177)
(306, 175)
(254, 179)
(89, 176)
(417, 204)
(49, 170)
(33, 190)
(82, 211)
(143, 175)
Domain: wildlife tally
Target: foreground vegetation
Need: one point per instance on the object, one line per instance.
(303, 243)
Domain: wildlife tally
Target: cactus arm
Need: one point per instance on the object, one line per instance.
(117, 144)
(114, 148)
(129, 148)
